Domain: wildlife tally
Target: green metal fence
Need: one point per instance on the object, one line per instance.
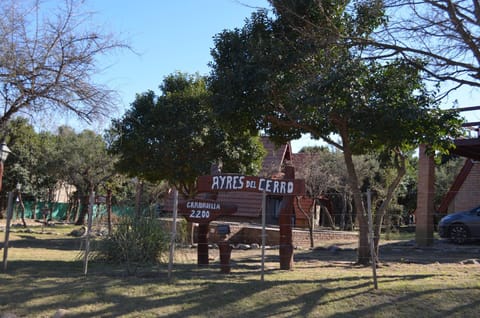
(59, 211)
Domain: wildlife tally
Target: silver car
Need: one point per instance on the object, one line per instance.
(461, 227)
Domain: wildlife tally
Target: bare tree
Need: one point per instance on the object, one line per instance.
(48, 58)
(322, 171)
(440, 36)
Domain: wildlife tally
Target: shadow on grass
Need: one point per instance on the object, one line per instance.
(441, 252)
(44, 268)
(199, 292)
(64, 244)
(202, 291)
(414, 306)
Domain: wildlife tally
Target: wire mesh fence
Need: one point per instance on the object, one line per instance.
(236, 247)
(399, 240)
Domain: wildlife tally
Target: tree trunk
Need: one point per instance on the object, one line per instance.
(363, 255)
(351, 222)
(22, 209)
(70, 205)
(379, 215)
(83, 211)
(285, 225)
(76, 207)
(316, 215)
(328, 215)
(84, 201)
(1, 207)
(138, 199)
(109, 210)
(309, 217)
(69, 210)
(388, 224)
(34, 209)
(50, 204)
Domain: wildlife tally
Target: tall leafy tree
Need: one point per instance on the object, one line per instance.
(26, 151)
(175, 136)
(295, 72)
(85, 163)
(43, 162)
(34, 161)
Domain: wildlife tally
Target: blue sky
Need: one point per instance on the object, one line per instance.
(177, 35)
(168, 36)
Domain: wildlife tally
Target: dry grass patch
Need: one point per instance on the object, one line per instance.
(44, 275)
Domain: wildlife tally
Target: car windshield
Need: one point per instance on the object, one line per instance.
(475, 210)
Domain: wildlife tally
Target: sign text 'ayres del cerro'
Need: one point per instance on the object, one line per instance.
(250, 184)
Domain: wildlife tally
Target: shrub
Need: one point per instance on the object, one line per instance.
(134, 241)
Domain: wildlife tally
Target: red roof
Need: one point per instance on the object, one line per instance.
(275, 157)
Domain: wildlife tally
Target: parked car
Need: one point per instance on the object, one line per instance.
(460, 227)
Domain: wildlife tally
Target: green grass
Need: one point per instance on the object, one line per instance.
(45, 274)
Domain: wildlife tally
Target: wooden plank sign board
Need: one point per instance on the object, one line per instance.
(204, 211)
(218, 183)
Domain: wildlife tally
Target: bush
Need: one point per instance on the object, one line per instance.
(134, 241)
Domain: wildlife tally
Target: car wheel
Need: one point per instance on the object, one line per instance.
(459, 233)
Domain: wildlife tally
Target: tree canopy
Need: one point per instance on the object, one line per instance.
(297, 72)
(44, 162)
(176, 137)
(27, 165)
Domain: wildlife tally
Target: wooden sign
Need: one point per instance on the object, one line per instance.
(204, 211)
(218, 183)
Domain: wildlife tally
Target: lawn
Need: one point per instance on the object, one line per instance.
(45, 274)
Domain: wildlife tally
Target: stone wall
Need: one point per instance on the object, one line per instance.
(249, 234)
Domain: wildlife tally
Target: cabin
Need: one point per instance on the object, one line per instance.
(464, 192)
(249, 204)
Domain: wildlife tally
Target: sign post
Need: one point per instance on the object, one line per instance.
(7, 229)
(286, 217)
(264, 234)
(173, 236)
(287, 187)
(203, 211)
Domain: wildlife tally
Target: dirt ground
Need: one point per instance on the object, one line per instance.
(442, 251)
(405, 251)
